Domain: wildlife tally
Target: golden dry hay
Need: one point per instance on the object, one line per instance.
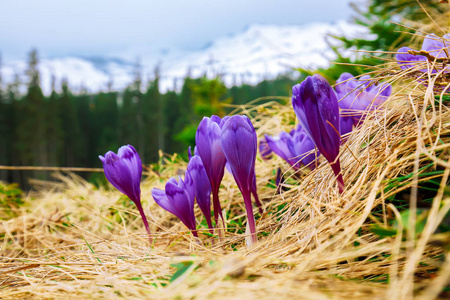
(75, 241)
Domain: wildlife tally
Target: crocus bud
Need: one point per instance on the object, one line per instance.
(178, 199)
(124, 170)
(239, 146)
(210, 151)
(202, 186)
(317, 110)
(360, 95)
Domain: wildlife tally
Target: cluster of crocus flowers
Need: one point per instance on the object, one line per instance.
(229, 141)
(434, 49)
(326, 116)
(124, 171)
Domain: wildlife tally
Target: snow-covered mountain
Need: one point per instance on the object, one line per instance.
(261, 51)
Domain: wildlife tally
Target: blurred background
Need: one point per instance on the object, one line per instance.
(79, 78)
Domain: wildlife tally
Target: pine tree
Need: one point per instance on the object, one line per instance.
(86, 155)
(54, 134)
(152, 109)
(172, 113)
(71, 150)
(13, 98)
(105, 117)
(31, 128)
(4, 124)
(130, 114)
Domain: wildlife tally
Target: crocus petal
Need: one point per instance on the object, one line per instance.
(223, 121)
(317, 110)
(316, 107)
(359, 95)
(278, 144)
(189, 153)
(329, 113)
(239, 146)
(210, 150)
(346, 125)
(180, 203)
(131, 159)
(407, 60)
(264, 149)
(178, 199)
(293, 147)
(343, 82)
(299, 146)
(348, 90)
(161, 199)
(300, 109)
(202, 186)
(124, 171)
(436, 45)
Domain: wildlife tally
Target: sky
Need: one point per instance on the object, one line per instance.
(134, 28)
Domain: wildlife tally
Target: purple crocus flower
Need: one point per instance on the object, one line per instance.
(293, 146)
(317, 110)
(210, 151)
(178, 198)
(435, 46)
(360, 95)
(202, 187)
(239, 146)
(124, 171)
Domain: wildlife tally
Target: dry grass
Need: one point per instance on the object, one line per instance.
(72, 240)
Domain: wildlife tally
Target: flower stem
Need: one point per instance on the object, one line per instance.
(144, 219)
(255, 194)
(258, 202)
(217, 209)
(337, 172)
(210, 226)
(250, 216)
